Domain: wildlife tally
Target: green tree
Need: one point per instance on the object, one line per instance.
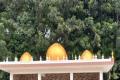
(33, 25)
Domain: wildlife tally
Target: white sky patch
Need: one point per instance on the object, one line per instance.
(47, 35)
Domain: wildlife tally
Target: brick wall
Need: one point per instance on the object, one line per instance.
(59, 76)
(25, 77)
(86, 76)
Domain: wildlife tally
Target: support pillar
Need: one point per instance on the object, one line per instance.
(11, 76)
(39, 76)
(71, 76)
(101, 76)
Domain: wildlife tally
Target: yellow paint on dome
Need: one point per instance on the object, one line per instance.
(87, 55)
(56, 52)
(26, 57)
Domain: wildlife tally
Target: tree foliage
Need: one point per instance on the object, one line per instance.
(33, 25)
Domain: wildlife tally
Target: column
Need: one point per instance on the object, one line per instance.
(11, 76)
(101, 76)
(39, 76)
(71, 76)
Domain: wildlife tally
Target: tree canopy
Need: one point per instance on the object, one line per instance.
(33, 25)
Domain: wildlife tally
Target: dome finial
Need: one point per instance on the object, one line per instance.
(112, 54)
(26, 57)
(87, 55)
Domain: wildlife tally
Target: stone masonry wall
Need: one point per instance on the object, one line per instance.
(59, 76)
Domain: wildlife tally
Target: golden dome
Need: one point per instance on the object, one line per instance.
(87, 55)
(56, 52)
(26, 57)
